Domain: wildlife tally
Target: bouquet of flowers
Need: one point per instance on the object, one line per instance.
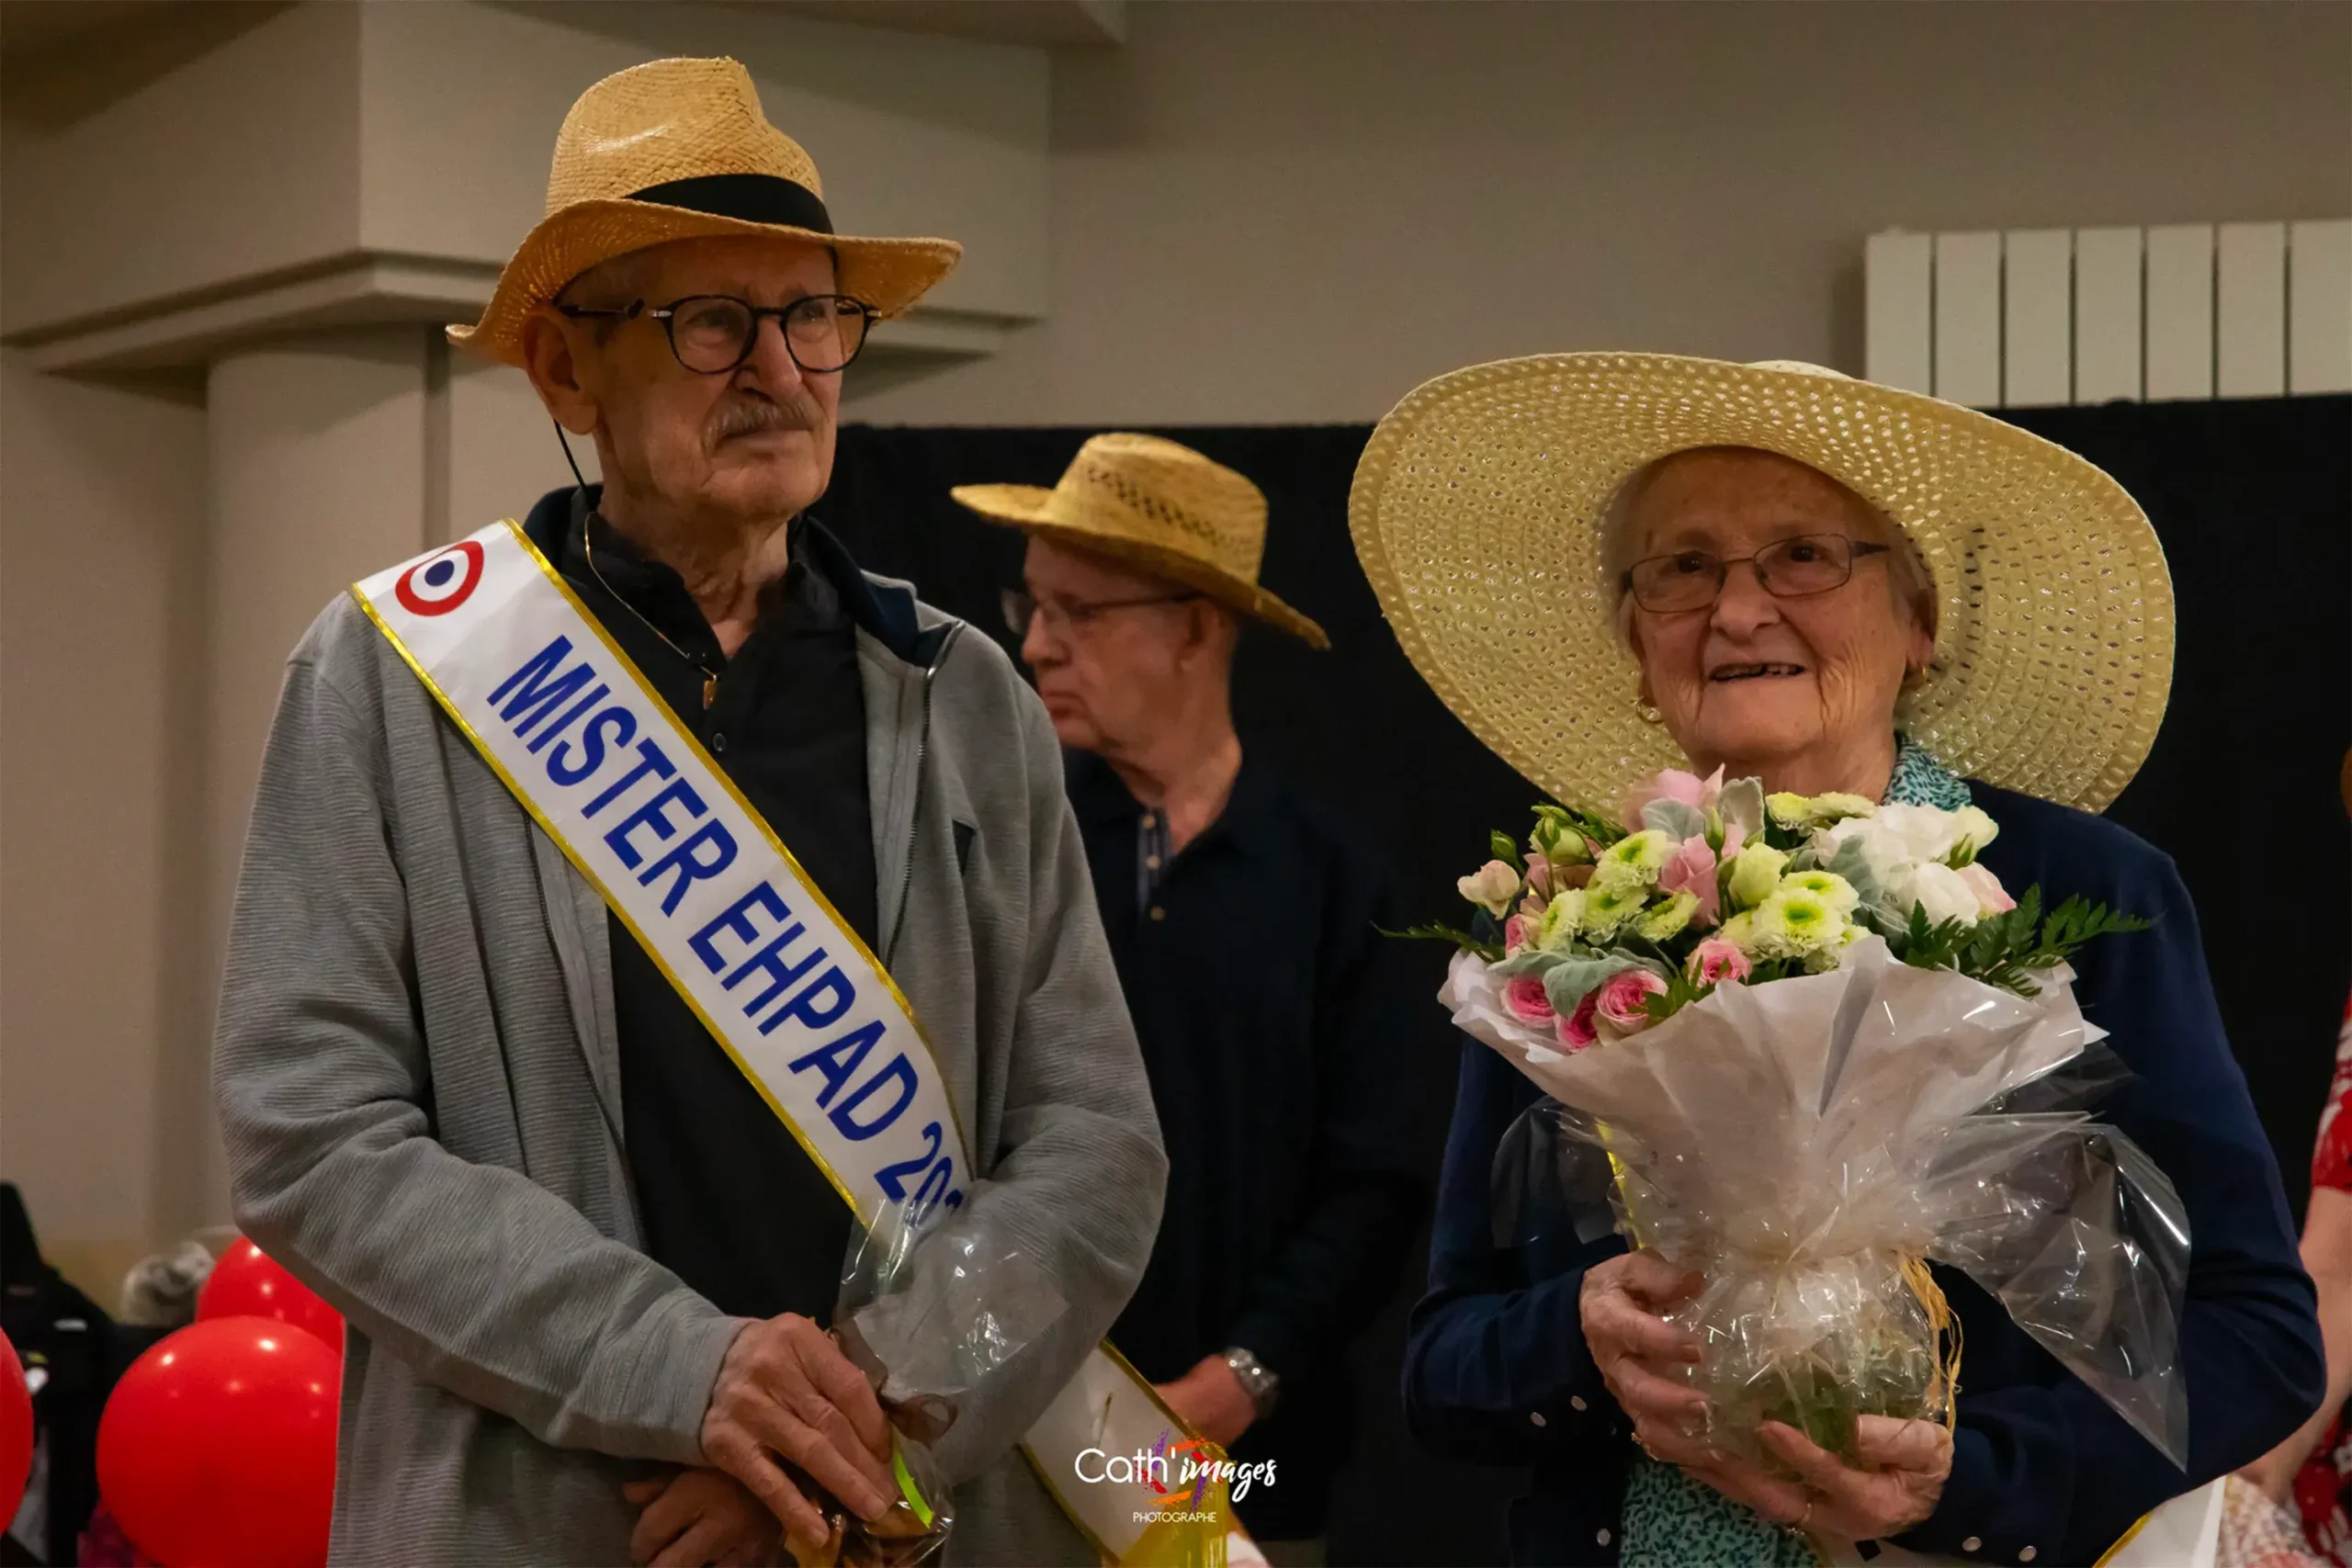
(1821, 1044)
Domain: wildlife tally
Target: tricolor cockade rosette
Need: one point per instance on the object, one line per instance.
(1821, 1046)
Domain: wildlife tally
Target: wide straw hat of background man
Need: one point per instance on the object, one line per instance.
(1478, 507)
(1159, 506)
(680, 149)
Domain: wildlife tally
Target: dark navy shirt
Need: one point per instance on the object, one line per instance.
(727, 1198)
(1497, 1370)
(1277, 1044)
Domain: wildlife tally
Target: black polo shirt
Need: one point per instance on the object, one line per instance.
(729, 1199)
(1277, 1043)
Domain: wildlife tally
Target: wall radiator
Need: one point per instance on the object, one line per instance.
(2035, 317)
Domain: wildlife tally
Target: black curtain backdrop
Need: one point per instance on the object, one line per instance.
(2254, 501)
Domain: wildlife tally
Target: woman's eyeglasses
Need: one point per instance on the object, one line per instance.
(1793, 568)
(714, 334)
(1021, 610)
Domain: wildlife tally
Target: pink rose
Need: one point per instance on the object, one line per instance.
(1515, 935)
(1621, 998)
(1716, 962)
(1673, 783)
(1575, 1030)
(1525, 997)
(1539, 878)
(1692, 869)
(1992, 898)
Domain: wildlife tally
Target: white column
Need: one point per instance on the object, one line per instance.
(102, 529)
(318, 459)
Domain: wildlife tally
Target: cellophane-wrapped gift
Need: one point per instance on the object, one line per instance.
(1806, 1145)
(1820, 1046)
(983, 1301)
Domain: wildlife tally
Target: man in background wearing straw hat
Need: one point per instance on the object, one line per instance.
(481, 1080)
(1242, 915)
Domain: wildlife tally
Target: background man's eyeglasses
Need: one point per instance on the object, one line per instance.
(714, 334)
(1021, 610)
(1793, 568)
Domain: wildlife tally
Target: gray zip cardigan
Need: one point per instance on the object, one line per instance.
(418, 1084)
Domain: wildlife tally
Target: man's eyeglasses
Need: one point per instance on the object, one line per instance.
(1022, 611)
(1793, 568)
(714, 334)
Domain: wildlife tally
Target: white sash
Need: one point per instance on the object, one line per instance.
(788, 990)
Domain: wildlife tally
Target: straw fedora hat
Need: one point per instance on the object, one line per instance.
(680, 149)
(1478, 508)
(1159, 506)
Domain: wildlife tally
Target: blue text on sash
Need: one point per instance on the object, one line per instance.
(775, 970)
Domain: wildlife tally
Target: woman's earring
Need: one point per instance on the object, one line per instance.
(1648, 713)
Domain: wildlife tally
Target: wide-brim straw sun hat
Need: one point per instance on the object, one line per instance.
(680, 149)
(1477, 512)
(1159, 506)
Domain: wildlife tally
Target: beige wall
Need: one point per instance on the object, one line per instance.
(237, 163)
(1268, 212)
(912, 134)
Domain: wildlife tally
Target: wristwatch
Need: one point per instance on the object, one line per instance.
(1262, 1386)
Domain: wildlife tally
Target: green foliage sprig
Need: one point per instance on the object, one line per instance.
(2006, 948)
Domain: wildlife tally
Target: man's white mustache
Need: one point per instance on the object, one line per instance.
(748, 418)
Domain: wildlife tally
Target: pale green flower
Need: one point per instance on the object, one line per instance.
(1793, 920)
(1837, 806)
(1667, 920)
(1556, 838)
(1971, 830)
(1740, 931)
(1817, 810)
(1634, 861)
(1826, 885)
(1823, 959)
(1608, 905)
(1561, 918)
(1755, 873)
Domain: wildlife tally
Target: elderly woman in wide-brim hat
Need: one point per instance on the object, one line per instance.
(1609, 563)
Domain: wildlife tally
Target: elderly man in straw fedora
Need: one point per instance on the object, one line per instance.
(1242, 917)
(600, 869)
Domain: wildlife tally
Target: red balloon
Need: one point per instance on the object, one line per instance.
(218, 1447)
(16, 1430)
(247, 1282)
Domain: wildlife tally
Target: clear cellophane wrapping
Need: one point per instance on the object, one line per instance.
(1805, 1143)
(983, 1301)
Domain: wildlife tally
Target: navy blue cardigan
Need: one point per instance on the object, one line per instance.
(1496, 1371)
